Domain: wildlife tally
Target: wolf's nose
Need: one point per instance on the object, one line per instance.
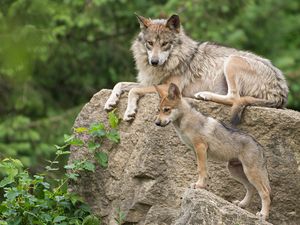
(154, 62)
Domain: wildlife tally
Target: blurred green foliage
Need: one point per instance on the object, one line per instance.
(55, 54)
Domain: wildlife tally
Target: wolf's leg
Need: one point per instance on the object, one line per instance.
(201, 154)
(258, 177)
(236, 170)
(234, 67)
(119, 88)
(133, 97)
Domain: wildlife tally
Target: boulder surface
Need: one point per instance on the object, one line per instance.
(150, 170)
(202, 207)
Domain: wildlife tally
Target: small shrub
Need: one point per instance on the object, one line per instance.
(34, 200)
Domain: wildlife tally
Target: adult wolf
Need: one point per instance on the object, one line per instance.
(164, 54)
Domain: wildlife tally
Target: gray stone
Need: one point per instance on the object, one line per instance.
(203, 207)
(150, 169)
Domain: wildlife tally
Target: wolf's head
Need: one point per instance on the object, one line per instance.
(169, 107)
(158, 37)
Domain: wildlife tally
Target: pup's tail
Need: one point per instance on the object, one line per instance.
(239, 106)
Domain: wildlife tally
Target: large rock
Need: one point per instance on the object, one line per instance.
(203, 207)
(150, 169)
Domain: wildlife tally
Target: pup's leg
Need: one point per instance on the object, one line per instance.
(118, 89)
(236, 170)
(133, 97)
(201, 156)
(258, 177)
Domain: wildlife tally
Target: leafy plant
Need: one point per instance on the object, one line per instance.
(33, 200)
(98, 133)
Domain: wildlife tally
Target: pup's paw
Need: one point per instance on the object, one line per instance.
(203, 95)
(129, 114)
(198, 186)
(111, 102)
(240, 204)
(261, 216)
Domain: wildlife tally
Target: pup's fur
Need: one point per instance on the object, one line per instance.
(208, 137)
(164, 54)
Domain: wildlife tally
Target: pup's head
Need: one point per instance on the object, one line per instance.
(159, 37)
(169, 105)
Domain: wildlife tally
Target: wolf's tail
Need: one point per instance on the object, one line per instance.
(239, 107)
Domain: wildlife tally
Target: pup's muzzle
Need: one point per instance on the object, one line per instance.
(160, 123)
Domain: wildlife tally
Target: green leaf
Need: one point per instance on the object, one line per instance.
(92, 146)
(59, 219)
(11, 194)
(61, 147)
(60, 152)
(46, 217)
(102, 159)
(73, 176)
(91, 220)
(68, 138)
(81, 129)
(75, 198)
(5, 181)
(89, 166)
(16, 220)
(70, 166)
(97, 130)
(76, 142)
(49, 168)
(113, 119)
(17, 163)
(113, 135)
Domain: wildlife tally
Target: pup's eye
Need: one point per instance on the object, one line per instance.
(150, 43)
(164, 44)
(165, 110)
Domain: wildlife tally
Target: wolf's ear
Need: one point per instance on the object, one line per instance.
(144, 22)
(173, 92)
(173, 23)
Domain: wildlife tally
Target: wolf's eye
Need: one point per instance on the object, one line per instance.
(150, 43)
(165, 110)
(164, 43)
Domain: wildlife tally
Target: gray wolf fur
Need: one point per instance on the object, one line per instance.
(164, 53)
(208, 137)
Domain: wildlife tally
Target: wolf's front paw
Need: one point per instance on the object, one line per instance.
(197, 185)
(111, 102)
(129, 114)
(203, 95)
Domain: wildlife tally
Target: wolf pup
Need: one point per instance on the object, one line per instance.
(208, 137)
(163, 54)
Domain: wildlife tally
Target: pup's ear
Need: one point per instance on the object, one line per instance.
(173, 23)
(144, 22)
(160, 92)
(173, 92)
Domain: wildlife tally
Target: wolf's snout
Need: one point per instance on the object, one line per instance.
(154, 62)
